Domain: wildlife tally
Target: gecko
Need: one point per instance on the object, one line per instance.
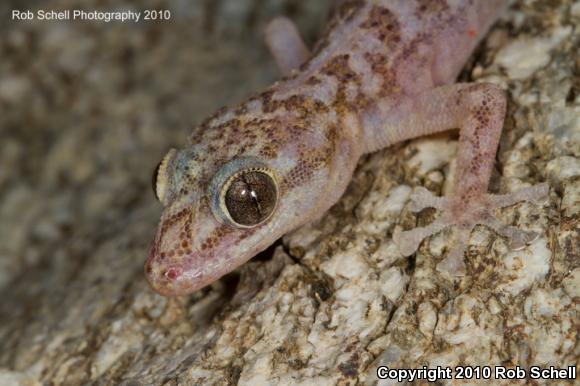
(383, 72)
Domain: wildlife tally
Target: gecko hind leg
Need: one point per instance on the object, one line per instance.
(286, 45)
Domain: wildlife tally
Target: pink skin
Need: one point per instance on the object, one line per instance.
(286, 45)
(381, 74)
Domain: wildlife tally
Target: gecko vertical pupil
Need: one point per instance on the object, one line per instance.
(250, 197)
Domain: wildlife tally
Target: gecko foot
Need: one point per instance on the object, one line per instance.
(463, 215)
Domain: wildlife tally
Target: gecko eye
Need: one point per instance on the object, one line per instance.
(159, 180)
(249, 197)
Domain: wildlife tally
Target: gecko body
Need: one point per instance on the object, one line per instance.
(381, 74)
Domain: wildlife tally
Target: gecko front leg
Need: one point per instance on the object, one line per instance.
(478, 110)
(286, 44)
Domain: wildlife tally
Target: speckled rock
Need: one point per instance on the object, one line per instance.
(86, 111)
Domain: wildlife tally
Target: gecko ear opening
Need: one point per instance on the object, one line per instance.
(160, 179)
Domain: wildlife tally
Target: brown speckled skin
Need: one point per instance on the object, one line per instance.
(378, 76)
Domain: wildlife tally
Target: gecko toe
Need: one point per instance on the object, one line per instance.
(518, 238)
(408, 241)
(422, 198)
(537, 194)
(453, 263)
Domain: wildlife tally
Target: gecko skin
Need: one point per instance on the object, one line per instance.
(382, 73)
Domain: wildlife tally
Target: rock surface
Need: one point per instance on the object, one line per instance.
(87, 110)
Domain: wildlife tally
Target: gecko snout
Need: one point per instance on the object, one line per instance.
(174, 266)
(169, 276)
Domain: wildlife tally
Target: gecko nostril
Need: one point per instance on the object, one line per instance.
(171, 274)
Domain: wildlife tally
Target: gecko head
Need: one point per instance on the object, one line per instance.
(215, 218)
